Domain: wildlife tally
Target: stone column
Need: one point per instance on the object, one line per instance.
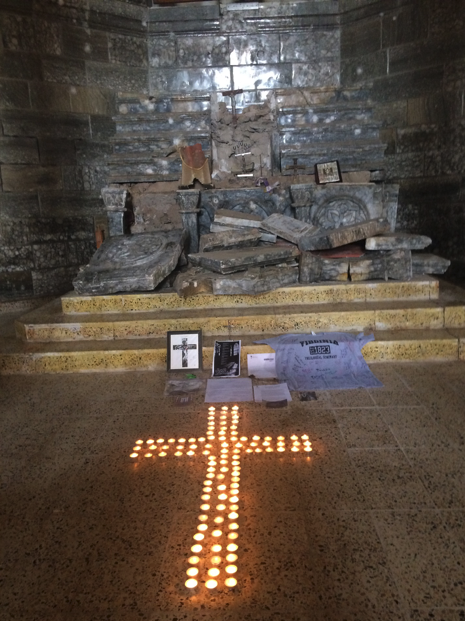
(115, 204)
(188, 201)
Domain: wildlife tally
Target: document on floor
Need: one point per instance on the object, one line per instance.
(261, 366)
(228, 390)
(227, 359)
(272, 392)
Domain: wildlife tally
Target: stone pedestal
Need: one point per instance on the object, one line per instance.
(114, 199)
(188, 201)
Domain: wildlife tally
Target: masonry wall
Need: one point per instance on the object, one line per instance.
(61, 63)
(412, 56)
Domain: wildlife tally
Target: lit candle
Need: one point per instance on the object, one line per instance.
(206, 452)
(220, 507)
(202, 527)
(304, 437)
(233, 535)
(222, 497)
(199, 536)
(231, 558)
(205, 507)
(269, 450)
(219, 520)
(149, 454)
(193, 560)
(211, 584)
(233, 507)
(201, 440)
(244, 439)
(192, 571)
(214, 572)
(191, 440)
(221, 487)
(178, 453)
(134, 455)
(232, 526)
(216, 547)
(308, 448)
(231, 569)
(233, 499)
(216, 560)
(233, 516)
(230, 582)
(232, 547)
(280, 449)
(191, 583)
(140, 442)
(136, 448)
(217, 533)
(171, 440)
(182, 440)
(295, 449)
(159, 441)
(150, 441)
(203, 518)
(196, 548)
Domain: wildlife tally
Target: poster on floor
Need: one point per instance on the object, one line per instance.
(227, 359)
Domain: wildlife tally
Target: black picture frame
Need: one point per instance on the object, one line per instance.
(328, 172)
(184, 350)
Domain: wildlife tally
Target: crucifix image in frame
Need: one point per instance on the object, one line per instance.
(184, 350)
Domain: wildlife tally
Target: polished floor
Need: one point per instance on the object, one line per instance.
(370, 527)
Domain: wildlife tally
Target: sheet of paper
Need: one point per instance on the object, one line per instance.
(231, 390)
(272, 392)
(227, 359)
(261, 366)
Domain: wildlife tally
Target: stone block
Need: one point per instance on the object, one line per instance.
(57, 152)
(344, 235)
(131, 10)
(62, 228)
(103, 128)
(65, 9)
(128, 50)
(405, 165)
(202, 51)
(162, 51)
(358, 70)
(222, 228)
(408, 84)
(257, 77)
(27, 34)
(360, 38)
(20, 66)
(254, 49)
(64, 70)
(14, 94)
(18, 205)
(23, 178)
(15, 232)
(316, 45)
(131, 263)
(257, 280)
(16, 282)
(85, 44)
(313, 268)
(398, 240)
(427, 110)
(53, 281)
(90, 152)
(408, 24)
(189, 80)
(181, 27)
(116, 21)
(426, 263)
(39, 124)
(50, 97)
(234, 238)
(419, 138)
(396, 264)
(92, 100)
(183, 13)
(229, 261)
(18, 151)
(22, 6)
(237, 218)
(50, 255)
(57, 205)
(80, 252)
(288, 228)
(324, 73)
(16, 257)
(118, 78)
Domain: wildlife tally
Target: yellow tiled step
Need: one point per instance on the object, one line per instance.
(150, 354)
(420, 288)
(50, 324)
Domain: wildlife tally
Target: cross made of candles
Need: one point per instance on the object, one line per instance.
(215, 549)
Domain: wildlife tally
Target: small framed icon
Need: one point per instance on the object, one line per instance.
(328, 172)
(184, 350)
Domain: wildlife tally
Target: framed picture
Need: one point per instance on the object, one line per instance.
(184, 350)
(328, 172)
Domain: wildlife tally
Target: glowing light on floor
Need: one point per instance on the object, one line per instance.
(223, 474)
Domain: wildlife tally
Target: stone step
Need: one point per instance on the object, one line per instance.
(149, 172)
(141, 104)
(50, 324)
(150, 354)
(330, 132)
(419, 288)
(166, 122)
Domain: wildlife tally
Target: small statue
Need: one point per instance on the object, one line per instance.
(194, 165)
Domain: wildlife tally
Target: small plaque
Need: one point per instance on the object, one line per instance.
(328, 172)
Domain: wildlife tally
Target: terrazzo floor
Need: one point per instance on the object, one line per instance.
(370, 527)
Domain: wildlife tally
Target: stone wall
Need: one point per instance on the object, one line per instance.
(61, 62)
(412, 57)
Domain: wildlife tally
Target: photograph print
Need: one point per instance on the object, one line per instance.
(184, 350)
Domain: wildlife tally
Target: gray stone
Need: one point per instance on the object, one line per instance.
(18, 151)
(263, 76)
(16, 282)
(189, 80)
(396, 241)
(396, 265)
(288, 228)
(131, 263)
(66, 71)
(14, 94)
(129, 51)
(426, 263)
(315, 75)
(253, 281)
(206, 51)
(23, 178)
(114, 198)
(132, 79)
(237, 218)
(344, 235)
(255, 49)
(188, 201)
(229, 261)
(234, 238)
(221, 228)
(28, 123)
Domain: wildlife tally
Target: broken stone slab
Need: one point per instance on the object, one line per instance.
(131, 263)
(344, 235)
(398, 240)
(426, 263)
(197, 280)
(237, 218)
(396, 264)
(220, 228)
(229, 261)
(288, 228)
(226, 240)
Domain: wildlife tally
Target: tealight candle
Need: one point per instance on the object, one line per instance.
(207, 483)
(191, 440)
(220, 507)
(199, 536)
(258, 450)
(150, 441)
(178, 453)
(219, 520)
(191, 583)
(305, 437)
(244, 439)
(231, 569)
(211, 584)
(233, 507)
(210, 475)
(216, 560)
(232, 547)
(190, 453)
(221, 487)
(193, 560)
(249, 450)
(202, 527)
(295, 449)
(201, 440)
(142, 442)
(206, 452)
(196, 548)
(217, 533)
(308, 448)
(216, 547)
(192, 571)
(165, 446)
(281, 449)
(222, 497)
(233, 535)
(193, 446)
(232, 526)
(233, 516)
(205, 507)
(233, 499)
(269, 450)
(182, 440)
(231, 558)
(207, 489)
(149, 454)
(136, 448)
(294, 437)
(203, 518)
(280, 437)
(171, 440)
(134, 455)
(214, 572)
